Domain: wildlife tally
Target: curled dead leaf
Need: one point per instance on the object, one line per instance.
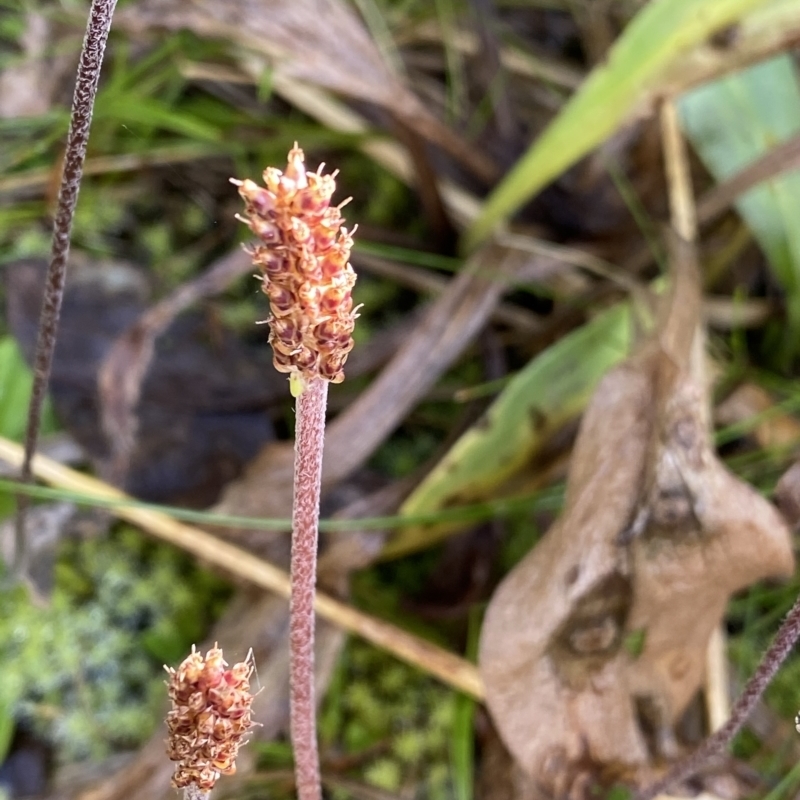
(594, 645)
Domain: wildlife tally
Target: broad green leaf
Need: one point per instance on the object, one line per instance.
(552, 389)
(153, 113)
(731, 123)
(660, 33)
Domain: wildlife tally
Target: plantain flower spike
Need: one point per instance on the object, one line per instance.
(304, 261)
(209, 717)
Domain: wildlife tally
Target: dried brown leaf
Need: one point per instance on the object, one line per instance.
(594, 645)
(321, 42)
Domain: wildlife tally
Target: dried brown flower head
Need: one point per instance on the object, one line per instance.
(304, 260)
(210, 715)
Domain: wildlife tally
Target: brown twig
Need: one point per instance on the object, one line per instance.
(427, 185)
(447, 667)
(782, 157)
(455, 317)
(781, 646)
(716, 201)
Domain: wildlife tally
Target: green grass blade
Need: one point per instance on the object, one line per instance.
(546, 500)
(661, 32)
(151, 113)
(734, 121)
(551, 390)
(462, 749)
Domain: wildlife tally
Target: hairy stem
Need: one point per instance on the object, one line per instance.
(194, 793)
(785, 639)
(91, 61)
(309, 437)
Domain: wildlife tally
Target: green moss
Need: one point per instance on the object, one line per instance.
(86, 672)
(384, 773)
(405, 716)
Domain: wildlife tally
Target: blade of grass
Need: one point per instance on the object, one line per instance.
(660, 33)
(463, 741)
(454, 73)
(547, 500)
(643, 220)
(154, 113)
(731, 123)
(124, 162)
(447, 667)
(549, 391)
(787, 787)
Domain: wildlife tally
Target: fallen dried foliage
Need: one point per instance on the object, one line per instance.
(594, 645)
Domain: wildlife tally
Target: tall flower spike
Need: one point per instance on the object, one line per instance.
(304, 261)
(209, 717)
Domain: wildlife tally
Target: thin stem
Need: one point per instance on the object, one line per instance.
(91, 61)
(192, 792)
(781, 646)
(309, 438)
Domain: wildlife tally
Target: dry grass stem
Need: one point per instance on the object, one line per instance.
(717, 695)
(684, 222)
(679, 179)
(447, 667)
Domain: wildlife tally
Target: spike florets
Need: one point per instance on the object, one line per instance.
(304, 262)
(209, 717)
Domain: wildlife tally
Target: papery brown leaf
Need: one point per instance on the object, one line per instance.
(321, 42)
(594, 645)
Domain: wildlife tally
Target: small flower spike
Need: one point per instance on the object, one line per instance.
(209, 717)
(304, 260)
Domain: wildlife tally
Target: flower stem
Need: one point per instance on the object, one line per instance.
(309, 437)
(91, 60)
(785, 639)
